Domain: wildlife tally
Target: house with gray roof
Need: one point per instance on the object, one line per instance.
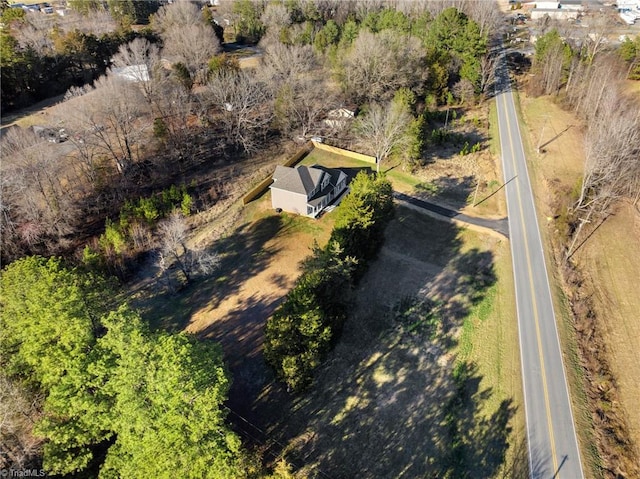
(306, 190)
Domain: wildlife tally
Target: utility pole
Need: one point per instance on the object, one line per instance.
(546, 118)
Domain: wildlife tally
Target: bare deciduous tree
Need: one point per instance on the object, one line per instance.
(173, 248)
(187, 38)
(170, 102)
(173, 239)
(383, 128)
(464, 91)
(488, 63)
(193, 46)
(379, 64)
(364, 7)
(19, 410)
(175, 106)
(486, 14)
(244, 105)
(612, 168)
(553, 68)
(38, 199)
(36, 39)
(180, 13)
(111, 118)
(283, 64)
(299, 107)
(600, 26)
(337, 10)
(142, 58)
(275, 17)
(592, 84)
(98, 22)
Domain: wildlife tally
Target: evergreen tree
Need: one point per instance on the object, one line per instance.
(49, 326)
(107, 379)
(362, 217)
(249, 28)
(305, 327)
(457, 36)
(167, 412)
(630, 52)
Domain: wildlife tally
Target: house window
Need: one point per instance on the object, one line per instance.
(309, 210)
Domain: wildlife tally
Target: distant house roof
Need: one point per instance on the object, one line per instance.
(136, 73)
(302, 180)
(341, 113)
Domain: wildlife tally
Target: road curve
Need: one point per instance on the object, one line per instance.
(552, 442)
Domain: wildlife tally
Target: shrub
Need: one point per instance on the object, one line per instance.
(303, 329)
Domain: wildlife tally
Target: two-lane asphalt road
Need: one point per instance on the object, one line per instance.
(553, 447)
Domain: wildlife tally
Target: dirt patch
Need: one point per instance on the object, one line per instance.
(289, 245)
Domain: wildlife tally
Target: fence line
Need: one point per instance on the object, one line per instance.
(261, 187)
(343, 152)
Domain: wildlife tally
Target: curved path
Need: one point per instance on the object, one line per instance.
(552, 442)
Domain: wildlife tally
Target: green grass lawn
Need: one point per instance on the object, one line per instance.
(402, 181)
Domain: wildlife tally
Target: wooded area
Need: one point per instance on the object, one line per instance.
(170, 106)
(156, 102)
(589, 80)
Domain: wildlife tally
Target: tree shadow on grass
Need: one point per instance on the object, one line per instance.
(452, 192)
(478, 444)
(392, 399)
(243, 254)
(241, 335)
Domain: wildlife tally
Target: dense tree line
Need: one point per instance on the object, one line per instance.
(43, 56)
(183, 103)
(115, 397)
(304, 328)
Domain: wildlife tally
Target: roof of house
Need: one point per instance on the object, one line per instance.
(301, 179)
(335, 177)
(136, 73)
